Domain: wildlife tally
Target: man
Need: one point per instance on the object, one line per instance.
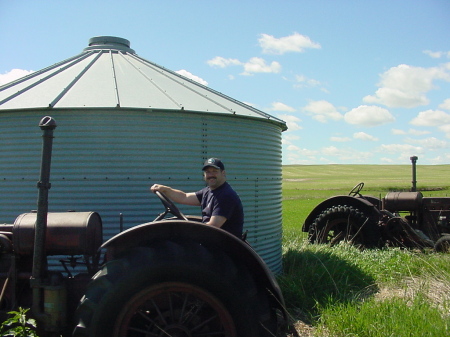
(220, 204)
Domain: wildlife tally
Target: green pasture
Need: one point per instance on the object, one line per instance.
(322, 181)
(345, 291)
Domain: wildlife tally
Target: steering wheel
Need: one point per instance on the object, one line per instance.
(169, 207)
(355, 190)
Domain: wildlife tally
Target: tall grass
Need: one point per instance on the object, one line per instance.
(345, 291)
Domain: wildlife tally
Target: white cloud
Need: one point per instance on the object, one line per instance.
(292, 43)
(195, 78)
(401, 152)
(346, 155)
(431, 118)
(308, 82)
(445, 105)
(258, 65)
(222, 62)
(331, 151)
(13, 74)
(298, 155)
(445, 128)
(398, 132)
(331, 154)
(364, 136)
(302, 81)
(291, 137)
(406, 86)
(431, 143)
(386, 160)
(323, 111)
(437, 54)
(413, 132)
(278, 106)
(443, 159)
(302, 151)
(368, 116)
(254, 65)
(404, 150)
(394, 98)
(292, 122)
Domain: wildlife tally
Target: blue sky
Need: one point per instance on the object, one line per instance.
(358, 82)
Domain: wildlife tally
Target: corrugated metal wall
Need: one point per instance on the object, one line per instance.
(105, 160)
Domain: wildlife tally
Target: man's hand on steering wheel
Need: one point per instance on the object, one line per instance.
(169, 207)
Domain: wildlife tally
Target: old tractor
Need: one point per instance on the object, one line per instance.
(170, 277)
(404, 219)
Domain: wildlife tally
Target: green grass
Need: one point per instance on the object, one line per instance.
(393, 317)
(345, 291)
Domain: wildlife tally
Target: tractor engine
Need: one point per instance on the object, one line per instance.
(403, 201)
(430, 215)
(68, 234)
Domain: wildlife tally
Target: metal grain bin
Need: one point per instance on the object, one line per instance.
(125, 123)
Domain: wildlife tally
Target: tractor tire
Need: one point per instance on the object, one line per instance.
(442, 245)
(174, 289)
(344, 223)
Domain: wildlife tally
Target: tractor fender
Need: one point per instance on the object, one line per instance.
(215, 238)
(368, 206)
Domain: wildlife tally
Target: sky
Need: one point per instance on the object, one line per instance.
(357, 82)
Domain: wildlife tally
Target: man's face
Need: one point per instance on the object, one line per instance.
(214, 177)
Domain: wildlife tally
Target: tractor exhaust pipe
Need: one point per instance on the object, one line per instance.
(414, 181)
(47, 125)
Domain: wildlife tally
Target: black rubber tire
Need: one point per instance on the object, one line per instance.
(170, 288)
(344, 223)
(442, 245)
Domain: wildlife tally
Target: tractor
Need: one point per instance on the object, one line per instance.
(404, 219)
(173, 276)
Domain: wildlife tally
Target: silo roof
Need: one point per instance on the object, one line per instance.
(109, 74)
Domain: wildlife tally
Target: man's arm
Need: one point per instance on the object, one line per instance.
(216, 221)
(177, 195)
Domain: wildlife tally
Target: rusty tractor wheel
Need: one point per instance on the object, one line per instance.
(442, 245)
(344, 223)
(173, 289)
(194, 307)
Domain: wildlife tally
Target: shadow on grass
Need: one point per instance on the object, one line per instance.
(314, 279)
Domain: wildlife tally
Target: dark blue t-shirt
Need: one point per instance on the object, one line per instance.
(225, 202)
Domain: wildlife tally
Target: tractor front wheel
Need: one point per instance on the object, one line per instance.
(344, 223)
(442, 245)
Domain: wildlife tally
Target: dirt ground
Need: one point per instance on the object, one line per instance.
(302, 329)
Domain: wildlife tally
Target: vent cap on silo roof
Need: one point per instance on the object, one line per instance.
(109, 42)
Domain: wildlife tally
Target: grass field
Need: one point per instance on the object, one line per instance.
(344, 291)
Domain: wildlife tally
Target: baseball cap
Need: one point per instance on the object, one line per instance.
(214, 162)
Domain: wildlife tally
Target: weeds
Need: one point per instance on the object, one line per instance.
(19, 325)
